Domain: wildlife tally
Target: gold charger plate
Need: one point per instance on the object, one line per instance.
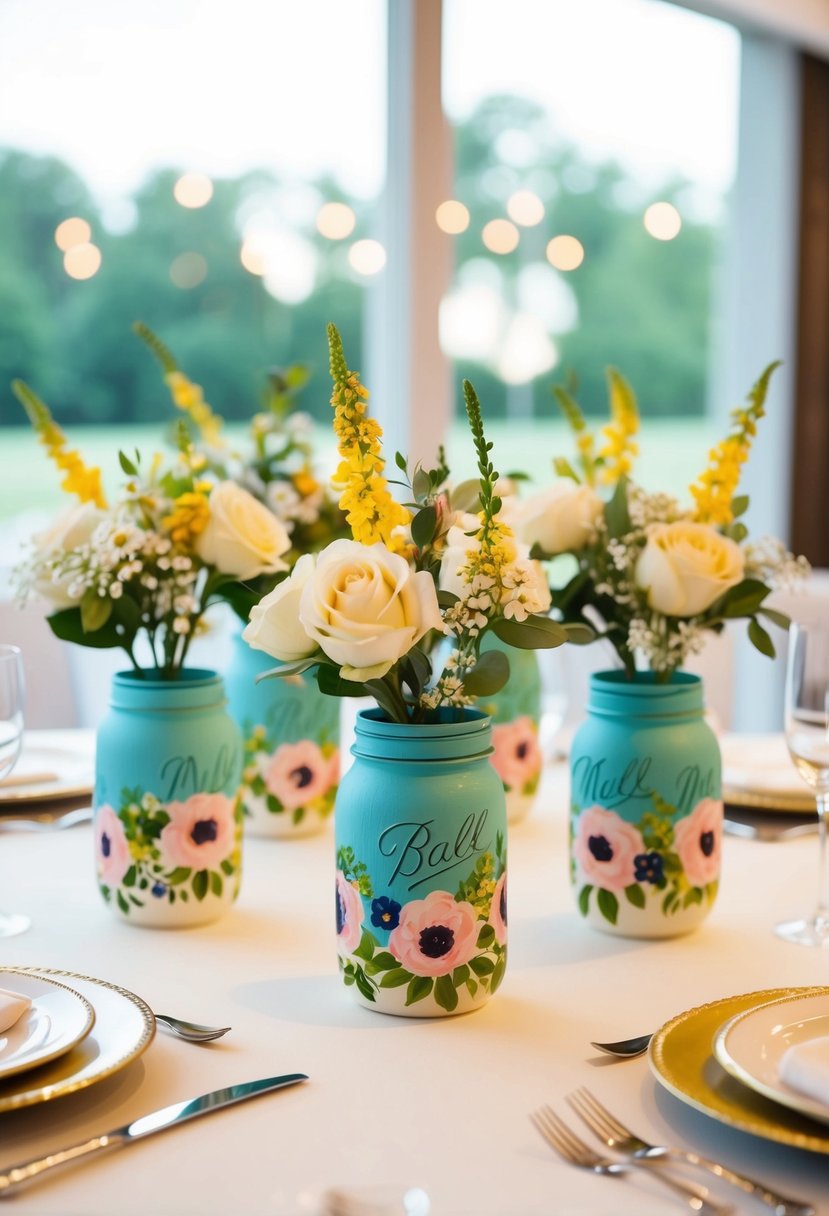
(67, 773)
(124, 1028)
(681, 1059)
(758, 773)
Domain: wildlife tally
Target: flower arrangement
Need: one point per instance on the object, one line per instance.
(654, 577)
(364, 613)
(139, 574)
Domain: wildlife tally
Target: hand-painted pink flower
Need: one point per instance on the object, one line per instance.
(498, 910)
(111, 847)
(201, 832)
(349, 915)
(298, 773)
(605, 847)
(435, 934)
(698, 842)
(516, 757)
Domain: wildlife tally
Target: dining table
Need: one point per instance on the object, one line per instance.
(398, 1115)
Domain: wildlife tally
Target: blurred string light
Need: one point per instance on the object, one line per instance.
(452, 217)
(188, 270)
(82, 261)
(565, 252)
(73, 231)
(525, 208)
(662, 221)
(526, 350)
(336, 221)
(285, 260)
(193, 190)
(367, 257)
(500, 236)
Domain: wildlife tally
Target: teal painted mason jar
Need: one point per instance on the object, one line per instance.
(168, 822)
(516, 716)
(290, 732)
(421, 841)
(646, 807)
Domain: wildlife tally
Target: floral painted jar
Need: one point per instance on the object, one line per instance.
(421, 897)
(290, 733)
(168, 820)
(516, 715)
(646, 806)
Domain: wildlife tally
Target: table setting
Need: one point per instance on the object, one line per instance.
(660, 1037)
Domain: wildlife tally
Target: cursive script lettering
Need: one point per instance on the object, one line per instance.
(593, 783)
(184, 777)
(692, 785)
(419, 854)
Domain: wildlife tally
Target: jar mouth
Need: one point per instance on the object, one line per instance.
(194, 688)
(450, 737)
(614, 694)
(192, 677)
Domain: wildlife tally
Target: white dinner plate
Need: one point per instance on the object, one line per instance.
(751, 1045)
(57, 1020)
(124, 1028)
(44, 772)
(758, 772)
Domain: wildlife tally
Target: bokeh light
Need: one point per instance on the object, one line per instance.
(367, 257)
(82, 261)
(336, 221)
(565, 252)
(525, 208)
(252, 255)
(662, 221)
(500, 236)
(188, 270)
(73, 231)
(452, 217)
(193, 190)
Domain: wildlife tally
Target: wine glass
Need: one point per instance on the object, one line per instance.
(807, 736)
(12, 690)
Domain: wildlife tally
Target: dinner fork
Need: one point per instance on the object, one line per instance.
(568, 1145)
(622, 1140)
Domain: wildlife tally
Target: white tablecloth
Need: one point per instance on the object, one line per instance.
(393, 1103)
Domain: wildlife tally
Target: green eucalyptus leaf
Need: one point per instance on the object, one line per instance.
(421, 484)
(578, 634)
(563, 468)
(535, 633)
(777, 618)
(742, 600)
(488, 676)
(760, 638)
(400, 461)
(67, 626)
(739, 505)
(330, 682)
(289, 669)
(447, 599)
(616, 512)
(127, 465)
(95, 611)
(466, 496)
(423, 526)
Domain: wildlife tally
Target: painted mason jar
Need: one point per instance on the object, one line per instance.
(646, 807)
(516, 715)
(168, 821)
(421, 878)
(290, 732)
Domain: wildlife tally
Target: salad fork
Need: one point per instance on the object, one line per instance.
(622, 1140)
(568, 1145)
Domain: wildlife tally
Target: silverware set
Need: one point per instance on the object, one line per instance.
(634, 1153)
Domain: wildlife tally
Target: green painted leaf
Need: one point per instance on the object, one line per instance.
(608, 905)
(122, 903)
(367, 947)
(180, 874)
(694, 896)
(460, 975)
(446, 994)
(584, 898)
(420, 986)
(274, 805)
(129, 878)
(488, 676)
(635, 895)
(364, 985)
(297, 815)
(482, 965)
(536, 633)
(227, 867)
(200, 882)
(385, 961)
(498, 973)
(216, 885)
(471, 986)
(486, 937)
(396, 978)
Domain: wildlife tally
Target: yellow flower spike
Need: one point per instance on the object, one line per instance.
(371, 512)
(80, 479)
(713, 491)
(186, 395)
(188, 518)
(619, 449)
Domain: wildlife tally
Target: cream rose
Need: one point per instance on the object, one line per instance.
(685, 567)
(242, 536)
(72, 528)
(274, 624)
(366, 608)
(560, 519)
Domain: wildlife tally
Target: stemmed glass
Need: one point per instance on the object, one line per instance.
(12, 690)
(807, 736)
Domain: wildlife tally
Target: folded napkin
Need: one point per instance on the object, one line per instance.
(805, 1067)
(12, 1008)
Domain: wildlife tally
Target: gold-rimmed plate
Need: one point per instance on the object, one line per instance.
(758, 773)
(44, 773)
(124, 1028)
(681, 1058)
(57, 1019)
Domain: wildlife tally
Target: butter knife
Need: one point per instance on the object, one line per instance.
(157, 1121)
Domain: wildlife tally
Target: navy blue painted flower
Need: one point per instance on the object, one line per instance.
(159, 890)
(385, 913)
(648, 867)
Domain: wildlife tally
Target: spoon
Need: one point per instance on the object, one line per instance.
(48, 822)
(626, 1049)
(193, 1032)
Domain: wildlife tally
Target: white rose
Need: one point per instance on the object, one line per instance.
(366, 607)
(274, 624)
(72, 528)
(560, 519)
(685, 567)
(242, 537)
